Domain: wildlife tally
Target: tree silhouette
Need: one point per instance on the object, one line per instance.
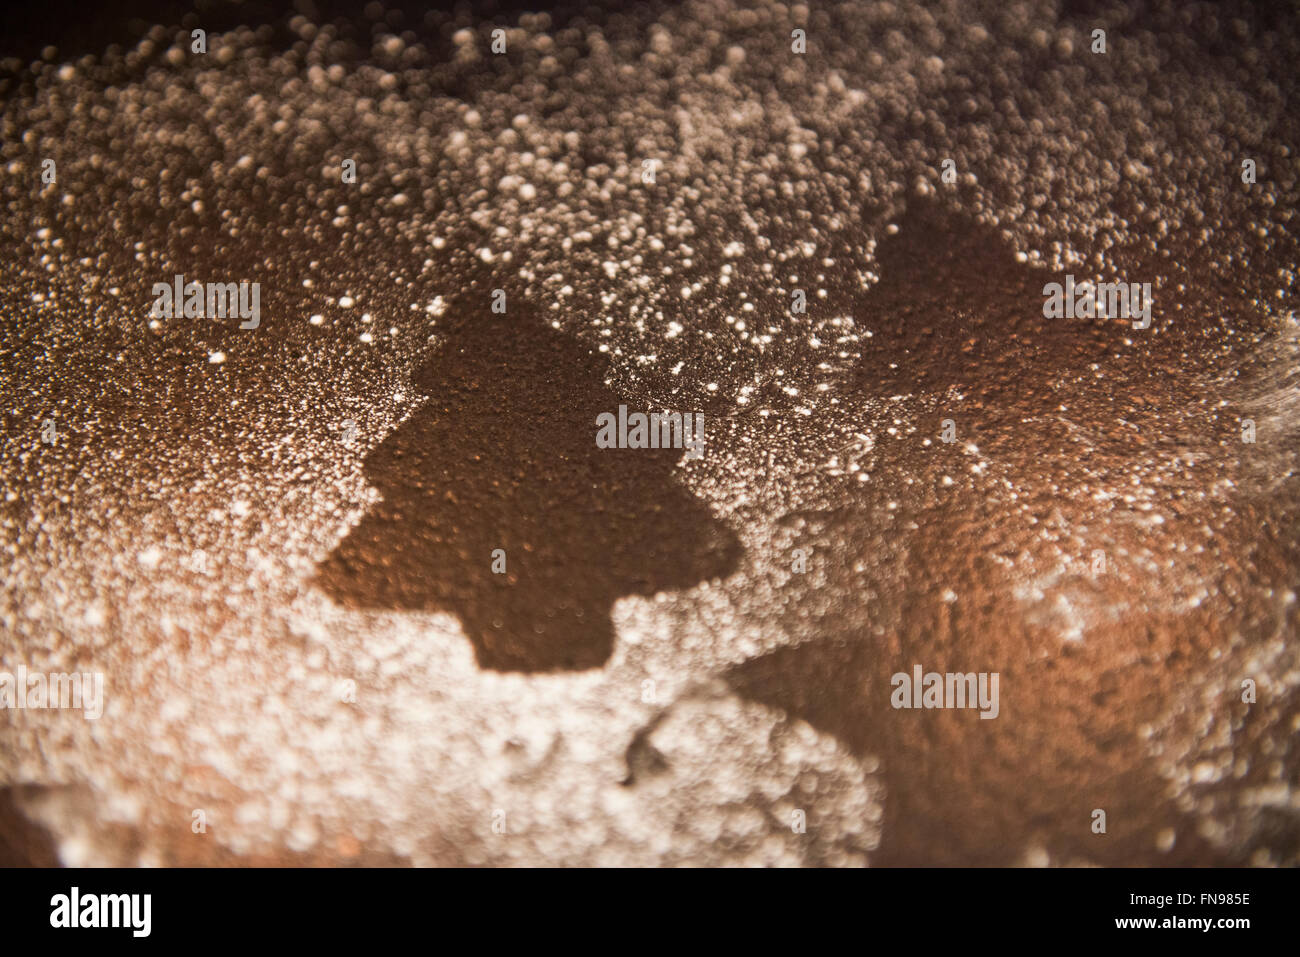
(504, 456)
(958, 323)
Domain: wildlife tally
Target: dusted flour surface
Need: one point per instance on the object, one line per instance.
(300, 633)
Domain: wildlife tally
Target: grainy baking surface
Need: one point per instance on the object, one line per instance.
(276, 543)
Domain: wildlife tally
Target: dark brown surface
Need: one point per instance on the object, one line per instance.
(502, 457)
(651, 683)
